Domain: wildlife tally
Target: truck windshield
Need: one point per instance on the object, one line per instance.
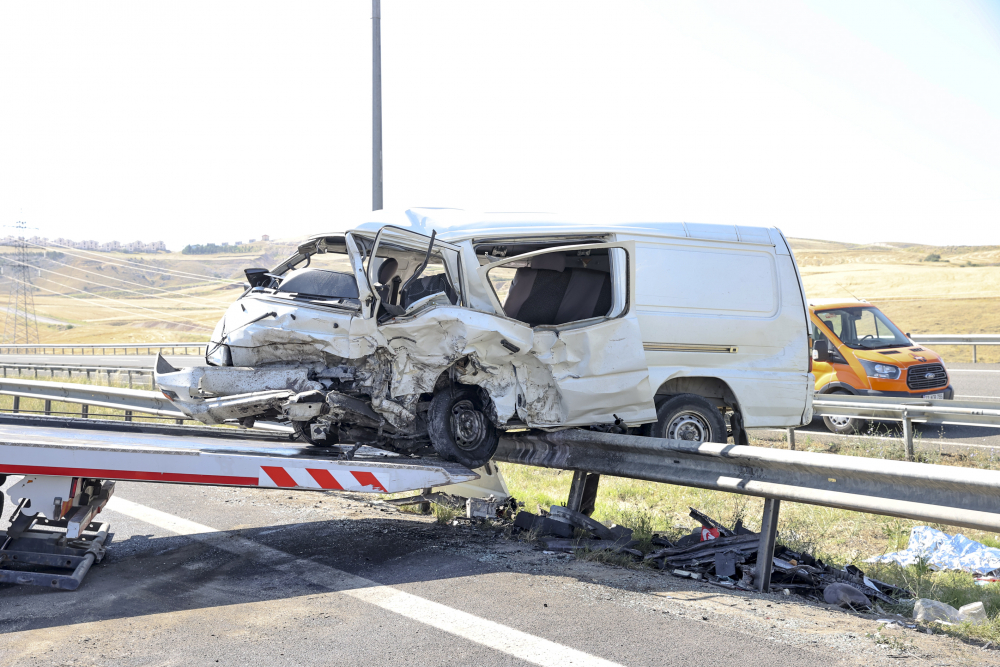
(863, 328)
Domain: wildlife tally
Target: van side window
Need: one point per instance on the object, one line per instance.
(834, 319)
(556, 287)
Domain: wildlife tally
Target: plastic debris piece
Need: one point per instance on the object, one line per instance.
(944, 552)
(844, 595)
(927, 611)
(973, 612)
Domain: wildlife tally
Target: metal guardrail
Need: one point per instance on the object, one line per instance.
(975, 340)
(920, 491)
(126, 374)
(71, 349)
(966, 497)
(129, 400)
(907, 411)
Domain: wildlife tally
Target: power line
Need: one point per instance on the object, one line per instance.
(113, 300)
(123, 289)
(129, 282)
(127, 263)
(127, 312)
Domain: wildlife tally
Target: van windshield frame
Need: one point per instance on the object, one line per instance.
(876, 332)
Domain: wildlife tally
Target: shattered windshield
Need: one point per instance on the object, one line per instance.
(319, 271)
(863, 328)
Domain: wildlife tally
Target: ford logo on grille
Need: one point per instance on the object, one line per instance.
(930, 376)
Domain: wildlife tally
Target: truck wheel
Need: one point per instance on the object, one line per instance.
(459, 427)
(845, 425)
(689, 417)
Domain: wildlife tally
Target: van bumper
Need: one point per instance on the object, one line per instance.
(949, 393)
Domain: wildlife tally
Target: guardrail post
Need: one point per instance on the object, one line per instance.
(768, 537)
(974, 354)
(128, 415)
(791, 438)
(17, 403)
(908, 435)
(84, 410)
(425, 507)
(130, 379)
(576, 490)
(48, 407)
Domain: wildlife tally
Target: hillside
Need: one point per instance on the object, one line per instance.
(958, 293)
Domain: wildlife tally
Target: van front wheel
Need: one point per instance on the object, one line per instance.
(845, 425)
(689, 417)
(459, 427)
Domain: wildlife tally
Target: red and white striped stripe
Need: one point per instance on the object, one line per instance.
(319, 478)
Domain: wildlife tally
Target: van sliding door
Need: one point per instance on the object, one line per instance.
(578, 301)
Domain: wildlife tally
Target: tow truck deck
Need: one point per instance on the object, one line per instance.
(70, 467)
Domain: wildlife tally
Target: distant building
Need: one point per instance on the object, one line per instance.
(252, 241)
(265, 238)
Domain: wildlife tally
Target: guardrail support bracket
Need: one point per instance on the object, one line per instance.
(576, 490)
(768, 537)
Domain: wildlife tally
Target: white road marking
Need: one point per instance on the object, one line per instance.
(459, 623)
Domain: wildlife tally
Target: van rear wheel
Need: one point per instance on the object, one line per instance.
(689, 417)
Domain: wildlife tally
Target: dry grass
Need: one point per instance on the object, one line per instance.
(958, 294)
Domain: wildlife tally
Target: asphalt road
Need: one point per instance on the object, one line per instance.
(204, 575)
(142, 361)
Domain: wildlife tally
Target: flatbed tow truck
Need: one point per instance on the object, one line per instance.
(70, 467)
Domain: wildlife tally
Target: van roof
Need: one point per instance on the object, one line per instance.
(456, 225)
(843, 303)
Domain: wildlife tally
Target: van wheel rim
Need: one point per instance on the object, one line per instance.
(689, 426)
(840, 422)
(468, 425)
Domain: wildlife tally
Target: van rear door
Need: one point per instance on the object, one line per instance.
(578, 299)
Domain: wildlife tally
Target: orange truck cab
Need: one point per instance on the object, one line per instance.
(858, 350)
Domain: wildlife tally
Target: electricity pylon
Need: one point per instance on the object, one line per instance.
(21, 323)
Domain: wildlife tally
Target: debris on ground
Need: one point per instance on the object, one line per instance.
(942, 551)
(728, 557)
(842, 595)
(926, 611)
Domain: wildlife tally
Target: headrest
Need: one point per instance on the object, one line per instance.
(555, 261)
(387, 270)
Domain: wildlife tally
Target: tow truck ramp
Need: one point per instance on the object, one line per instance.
(70, 468)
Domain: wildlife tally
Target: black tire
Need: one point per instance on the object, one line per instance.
(459, 427)
(689, 417)
(845, 425)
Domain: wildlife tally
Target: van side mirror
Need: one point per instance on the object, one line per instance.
(257, 277)
(821, 351)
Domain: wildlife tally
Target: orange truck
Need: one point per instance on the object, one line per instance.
(858, 350)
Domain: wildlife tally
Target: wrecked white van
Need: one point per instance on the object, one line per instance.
(455, 329)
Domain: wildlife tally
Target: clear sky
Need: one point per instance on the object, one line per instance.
(221, 121)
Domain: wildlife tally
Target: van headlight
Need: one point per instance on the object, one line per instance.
(219, 355)
(884, 371)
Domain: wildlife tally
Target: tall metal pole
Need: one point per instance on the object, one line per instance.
(376, 105)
